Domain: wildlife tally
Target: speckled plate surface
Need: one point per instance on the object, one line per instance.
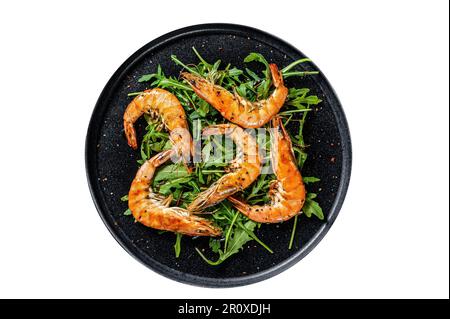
(111, 163)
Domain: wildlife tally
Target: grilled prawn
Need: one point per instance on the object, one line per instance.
(287, 192)
(163, 104)
(244, 169)
(153, 210)
(237, 109)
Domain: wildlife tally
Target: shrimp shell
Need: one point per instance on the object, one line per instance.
(237, 109)
(153, 210)
(163, 104)
(287, 192)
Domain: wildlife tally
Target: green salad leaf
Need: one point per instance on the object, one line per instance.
(236, 242)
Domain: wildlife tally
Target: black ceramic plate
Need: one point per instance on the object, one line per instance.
(111, 163)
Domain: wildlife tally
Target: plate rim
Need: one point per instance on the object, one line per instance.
(168, 272)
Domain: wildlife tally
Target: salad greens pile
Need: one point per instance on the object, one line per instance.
(174, 178)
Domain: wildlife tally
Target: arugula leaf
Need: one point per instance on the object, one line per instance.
(311, 207)
(234, 73)
(239, 238)
(303, 102)
(178, 62)
(154, 140)
(206, 64)
(169, 172)
(177, 245)
(214, 244)
(134, 93)
(299, 73)
(294, 92)
(147, 77)
(253, 56)
(311, 195)
(252, 234)
(242, 90)
(310, 179)
(263, 87)
(166, 188)
(294, 228)
(172, 83)
(253, 74)
(127, 212)
(202, 108)
(293, 64)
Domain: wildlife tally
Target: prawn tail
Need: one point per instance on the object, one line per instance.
(277, 77)
(130, 134)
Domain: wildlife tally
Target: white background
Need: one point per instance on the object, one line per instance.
(387, 60)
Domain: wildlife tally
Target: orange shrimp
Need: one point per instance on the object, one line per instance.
(244, 169)
(153, 210)
(160, 103)
(237, 109)
(287, 192)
